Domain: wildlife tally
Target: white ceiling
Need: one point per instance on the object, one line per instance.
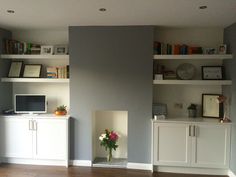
(46, 14)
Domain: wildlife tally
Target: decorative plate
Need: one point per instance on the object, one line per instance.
(186, 71)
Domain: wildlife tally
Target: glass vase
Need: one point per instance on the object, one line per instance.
(109, 156)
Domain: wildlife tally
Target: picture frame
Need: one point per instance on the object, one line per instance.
(32, 70)
(15, 69)
(210, 51)
(46, 50)
(212, 73)
(60, 49)
(222, 49)
(211, 107)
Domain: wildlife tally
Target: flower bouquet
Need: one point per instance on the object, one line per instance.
(109, 140)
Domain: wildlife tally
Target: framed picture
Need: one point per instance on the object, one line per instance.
(32, 70)
(211, 107)
(212, 72)
(222, 49)
(60, 49)
(210, 51)
(46, 50)
(15, 69)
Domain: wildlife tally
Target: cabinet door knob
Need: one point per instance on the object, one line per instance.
(194, 130)
(189, 130)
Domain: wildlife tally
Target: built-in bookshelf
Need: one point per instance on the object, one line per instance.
(39, 58)
(194, 57)
(39, 80)
(193, 82)
(49, 57)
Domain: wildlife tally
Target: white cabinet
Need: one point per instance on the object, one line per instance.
(211, 146)
(50, 139)
(191, 144)
(171, 144)
(34, 138)
(16, 138)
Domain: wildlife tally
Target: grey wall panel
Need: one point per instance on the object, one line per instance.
(5, 88)
(230, 65)
(111, 69)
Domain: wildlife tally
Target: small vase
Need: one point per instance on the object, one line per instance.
(109, 156)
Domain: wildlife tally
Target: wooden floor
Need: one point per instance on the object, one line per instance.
(7, 170)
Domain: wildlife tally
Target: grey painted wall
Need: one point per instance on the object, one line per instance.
(111, 69)
(5, 88)
(230, 40)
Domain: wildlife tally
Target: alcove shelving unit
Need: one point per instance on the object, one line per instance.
(39, 58)
(189, 58)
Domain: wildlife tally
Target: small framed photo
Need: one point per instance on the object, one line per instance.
(212, 73)
(15, 69)
(222, 49)
(211, 107)
(210, 51)
(60, 49)
(32, 70)
(46, 50)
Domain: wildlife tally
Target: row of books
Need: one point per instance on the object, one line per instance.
(11, 46)
(175, 49)
(58, 72)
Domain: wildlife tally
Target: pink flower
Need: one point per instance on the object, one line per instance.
(113, 136)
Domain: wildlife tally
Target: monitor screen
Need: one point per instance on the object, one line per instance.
(28, 103)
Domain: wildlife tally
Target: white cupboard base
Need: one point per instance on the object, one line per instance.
(35, 162)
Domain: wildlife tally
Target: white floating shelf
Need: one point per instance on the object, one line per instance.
(41, 80)
(15, 57)
(194, 56)
(192, 82)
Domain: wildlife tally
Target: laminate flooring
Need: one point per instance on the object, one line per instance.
(9, 170)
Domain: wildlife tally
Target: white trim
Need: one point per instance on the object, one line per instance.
(231, 174)
(192, 82)
(35, 162)
(39, 56)
(190, 170)
(40, 80)
(139, 166)
(193, 56)
(85, 163)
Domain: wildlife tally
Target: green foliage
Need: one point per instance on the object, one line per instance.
(61, 108)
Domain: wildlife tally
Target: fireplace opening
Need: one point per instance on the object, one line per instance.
(118, 122)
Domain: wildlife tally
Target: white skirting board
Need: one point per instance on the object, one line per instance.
(231, 174)
(192, 170)
(139, 166)
(84, 163)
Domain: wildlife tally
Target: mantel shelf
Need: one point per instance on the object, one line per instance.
(194, 57)
(40, 80)
(15, 57)
(192, 82)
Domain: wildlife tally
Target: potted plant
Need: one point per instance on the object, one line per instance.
(61, 110)
(192, 110)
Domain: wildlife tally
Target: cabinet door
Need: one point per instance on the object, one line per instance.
(16, 137)
(211, 146)
(171, 144)
(51, 139)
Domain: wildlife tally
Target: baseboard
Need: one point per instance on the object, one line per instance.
(35, 162)
(190, 170)
(85, 163)
(139, 166)
(231, 174)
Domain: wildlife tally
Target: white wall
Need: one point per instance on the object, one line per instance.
(186, 94)
(112, 120)
(57, 94)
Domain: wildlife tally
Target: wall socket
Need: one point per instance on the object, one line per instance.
(178, 105)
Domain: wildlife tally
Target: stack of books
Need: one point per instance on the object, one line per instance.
(61, 72)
